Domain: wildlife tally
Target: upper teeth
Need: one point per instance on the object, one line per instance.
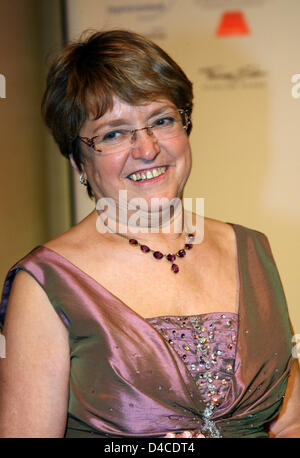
(147, 175)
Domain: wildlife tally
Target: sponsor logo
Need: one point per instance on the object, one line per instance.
(249, 76)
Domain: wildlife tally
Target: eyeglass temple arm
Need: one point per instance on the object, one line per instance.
(87, 141)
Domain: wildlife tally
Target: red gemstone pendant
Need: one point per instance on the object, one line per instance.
(158, 255)
(181, 253)
(171, 257)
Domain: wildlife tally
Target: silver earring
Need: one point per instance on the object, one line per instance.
(83, 180)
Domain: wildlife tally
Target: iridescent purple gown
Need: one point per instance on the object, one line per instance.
(224, 374)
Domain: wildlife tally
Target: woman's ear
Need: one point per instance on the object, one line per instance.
(75, 166)
(80, 171)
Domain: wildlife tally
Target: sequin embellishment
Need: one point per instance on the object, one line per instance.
(207, 345)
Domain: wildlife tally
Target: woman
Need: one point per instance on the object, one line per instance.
(105, 340)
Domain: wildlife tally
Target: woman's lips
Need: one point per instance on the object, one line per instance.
(149, 175)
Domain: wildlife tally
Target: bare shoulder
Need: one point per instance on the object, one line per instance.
(220, 235)
(77, 241)
(74, 237)
(34, 375)
(28, 301)
(29, 310)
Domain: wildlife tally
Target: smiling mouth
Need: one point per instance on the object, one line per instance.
(148, 174)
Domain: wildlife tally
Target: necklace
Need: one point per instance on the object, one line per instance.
(158, 255)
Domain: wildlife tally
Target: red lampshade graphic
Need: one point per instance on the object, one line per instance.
(232, 23)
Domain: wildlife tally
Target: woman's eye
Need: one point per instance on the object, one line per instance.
(114, 135)
(165, 121)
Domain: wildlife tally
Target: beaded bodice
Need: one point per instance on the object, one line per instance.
(207, 345)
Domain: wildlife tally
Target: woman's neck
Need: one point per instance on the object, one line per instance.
(162, 228)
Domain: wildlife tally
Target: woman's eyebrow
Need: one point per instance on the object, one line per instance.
(160, 110)
(125, 122)
(112, 123)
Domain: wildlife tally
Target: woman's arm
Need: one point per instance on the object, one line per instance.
(287, 424)
(34, 376)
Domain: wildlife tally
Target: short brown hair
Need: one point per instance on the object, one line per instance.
(86, 75)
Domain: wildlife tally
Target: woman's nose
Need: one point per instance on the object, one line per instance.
(144, 144)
